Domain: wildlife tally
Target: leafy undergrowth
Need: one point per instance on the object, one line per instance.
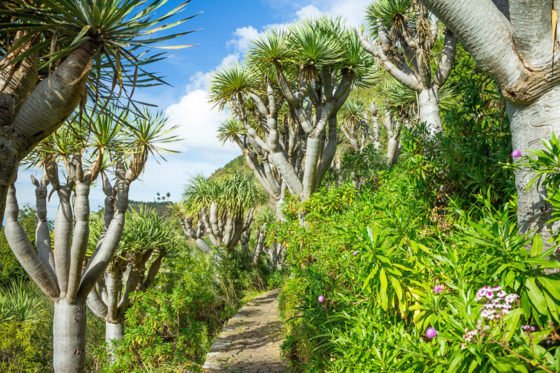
(170, 327)
(392, 279)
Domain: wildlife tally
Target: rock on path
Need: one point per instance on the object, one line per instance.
(250, 342)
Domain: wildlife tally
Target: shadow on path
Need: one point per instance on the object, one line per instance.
(250, 342)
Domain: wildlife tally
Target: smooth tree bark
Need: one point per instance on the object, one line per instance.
(374, 120)
(358, 125)
(259, 243)
(60, 270)
(259, 161)
(225, 228)
(147, 239)
(222, 210)
(32, 109)
(514, 42)
(393, 127)
(110, 297)
(197, 234)
(405, 50)
(306, 73)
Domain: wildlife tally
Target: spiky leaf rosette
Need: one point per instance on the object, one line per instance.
(388, 13)
(123, 32)
(234, 194)
(109, 137)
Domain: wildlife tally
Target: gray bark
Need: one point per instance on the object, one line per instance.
(202, 245)
(36, 268)
(69, 342)
(71, 237)
(485, 32)
(42, 234)
(114, 332)
(520, 56)
(392, 150)
(393, 138)
(532, 29)
(530, 124)
(38, 110)
(428, 110)
(407, 59)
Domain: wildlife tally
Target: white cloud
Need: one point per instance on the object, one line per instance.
(172, 176)
(197, 118)
(202, 80)
(352, 11)
(244, 37)
(198, 122)
(309, 11)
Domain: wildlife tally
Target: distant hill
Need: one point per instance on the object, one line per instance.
(235, 166)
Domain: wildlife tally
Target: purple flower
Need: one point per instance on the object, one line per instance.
(355, 253)
(321, 298)
(516, 154)
(431, 333)
(438, 289)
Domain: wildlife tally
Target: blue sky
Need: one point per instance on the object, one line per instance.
(225, 30)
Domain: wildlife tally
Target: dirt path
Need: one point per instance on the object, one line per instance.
(250, 342)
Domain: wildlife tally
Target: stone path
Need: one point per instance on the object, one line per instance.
(250, 341)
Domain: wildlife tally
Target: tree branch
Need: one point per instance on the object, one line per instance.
(447, 58)
(531, 22)
(407, 79)
(486, 34)
(24, 252)
(96, 304)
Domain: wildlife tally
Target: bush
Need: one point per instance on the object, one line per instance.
(172, 325)
(406, 274)
(25, 329)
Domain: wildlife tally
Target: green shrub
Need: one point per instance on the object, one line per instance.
(25, 329)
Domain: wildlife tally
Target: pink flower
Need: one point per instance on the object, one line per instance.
(438, 289)
(516, 154)
(321, 298)
(431, 333)
(355, 253)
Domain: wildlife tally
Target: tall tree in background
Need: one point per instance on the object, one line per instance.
(56, 52)
(310, 69)
(355, 124)
(147, 239)
(517, 43)
(258, 160)
(221, 209)
(120, 148)
(404, 38)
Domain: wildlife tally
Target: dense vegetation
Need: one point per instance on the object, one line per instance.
(378, 188)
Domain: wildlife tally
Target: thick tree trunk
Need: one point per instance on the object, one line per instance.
(113, 333)
(310, 169)
(69, 336)
(287, 172)
(513, 42)
(428, 110)
(9, 161)
(530, 125)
